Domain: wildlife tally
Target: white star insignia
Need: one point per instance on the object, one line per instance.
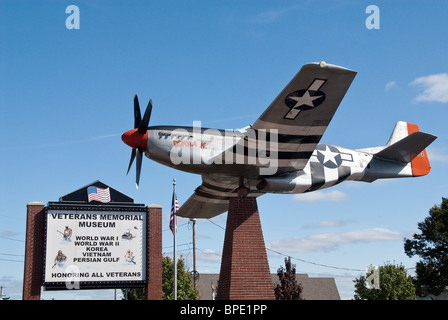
(329, 155)
(306, 99)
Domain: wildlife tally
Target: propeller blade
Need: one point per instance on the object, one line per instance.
(139, 166)
(132, 160)
(138, 141)
(137, 114)
(143, 127)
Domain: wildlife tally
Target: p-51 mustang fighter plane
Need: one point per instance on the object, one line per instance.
(280, 152)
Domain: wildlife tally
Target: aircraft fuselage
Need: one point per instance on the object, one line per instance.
(200, 151)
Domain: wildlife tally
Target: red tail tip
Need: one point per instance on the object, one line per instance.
(420, 164)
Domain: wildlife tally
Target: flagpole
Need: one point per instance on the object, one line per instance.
(174, 240)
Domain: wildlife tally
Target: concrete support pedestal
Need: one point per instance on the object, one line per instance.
(245, 273)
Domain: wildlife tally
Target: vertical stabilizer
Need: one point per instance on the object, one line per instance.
(420, 164)
(407, 144)
(400, 132)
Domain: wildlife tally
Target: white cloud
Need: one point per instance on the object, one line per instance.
(208, 255)
(273, 15)
(325, 224)
(390, 85)
(331, 223)
(435, 88)
(330, 241)
(332, 196)
(8, 234)
(269, 16)
(436, 154)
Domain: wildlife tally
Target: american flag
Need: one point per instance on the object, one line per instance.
(173, 218)
(98, 194)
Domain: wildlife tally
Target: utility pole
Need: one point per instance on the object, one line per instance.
(174, 239)
(195, 272)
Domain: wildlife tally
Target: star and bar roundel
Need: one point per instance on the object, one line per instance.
(304, 99)
(328, 156)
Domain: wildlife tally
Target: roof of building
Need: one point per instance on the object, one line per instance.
(314, 288)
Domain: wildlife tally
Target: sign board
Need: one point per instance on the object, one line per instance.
(91, 246)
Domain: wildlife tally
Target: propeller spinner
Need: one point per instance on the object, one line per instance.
(137, 138)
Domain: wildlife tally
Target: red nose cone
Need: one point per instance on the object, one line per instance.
(134, 139)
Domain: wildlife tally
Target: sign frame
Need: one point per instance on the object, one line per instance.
(113, 209)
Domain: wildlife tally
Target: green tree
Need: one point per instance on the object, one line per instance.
(185, 290)
(431, 245)
(288, 288)
(392, 283)
(134, 294)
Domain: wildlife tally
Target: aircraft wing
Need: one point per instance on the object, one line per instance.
(303, 110)
(212, 197)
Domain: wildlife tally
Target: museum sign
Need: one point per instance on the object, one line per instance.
(95, 237)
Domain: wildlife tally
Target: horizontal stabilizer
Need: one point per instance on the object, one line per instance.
(406, 149)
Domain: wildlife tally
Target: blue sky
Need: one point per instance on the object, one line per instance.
(66, 98)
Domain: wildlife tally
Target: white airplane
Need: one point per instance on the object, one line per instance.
(280, 152)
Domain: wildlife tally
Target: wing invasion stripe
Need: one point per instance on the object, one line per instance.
(315, 128)
(210, 196)
(213, 187)
(291, 138)
(207, 195)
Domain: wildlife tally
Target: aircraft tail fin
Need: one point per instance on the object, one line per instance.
(407, 144)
